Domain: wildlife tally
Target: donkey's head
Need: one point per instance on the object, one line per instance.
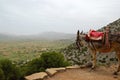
(80, 39)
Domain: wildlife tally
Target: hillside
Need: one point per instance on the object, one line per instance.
(75, 56)
(114, 26)
(6, 37)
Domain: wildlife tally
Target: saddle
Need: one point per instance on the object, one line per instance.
(99, 36)
(95, 35)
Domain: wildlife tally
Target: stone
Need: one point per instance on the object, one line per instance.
(37, 76)
(87, 65)
(73, 67)
(51, 72)
(59, 69)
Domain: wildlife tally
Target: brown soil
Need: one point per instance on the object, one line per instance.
(101, 73)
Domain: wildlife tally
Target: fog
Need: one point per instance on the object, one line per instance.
(26, 17)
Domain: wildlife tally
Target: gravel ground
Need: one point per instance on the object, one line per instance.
(101, 73)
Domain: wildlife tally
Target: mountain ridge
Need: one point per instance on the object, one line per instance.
(42, 36)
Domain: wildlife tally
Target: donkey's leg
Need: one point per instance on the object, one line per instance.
(118, 69)
(94, 59)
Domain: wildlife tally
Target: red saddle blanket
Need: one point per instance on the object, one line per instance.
(95, 35)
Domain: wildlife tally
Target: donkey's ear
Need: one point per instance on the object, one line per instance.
(81, 32)
(78, 32)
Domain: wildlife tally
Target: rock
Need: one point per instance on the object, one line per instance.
(36, 76)
(51, 72)
(73, 67)
(87, 65)
(59, 69)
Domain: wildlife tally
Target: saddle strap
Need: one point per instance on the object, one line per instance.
(107, 43)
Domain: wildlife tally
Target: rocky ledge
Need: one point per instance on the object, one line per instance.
(49, 73)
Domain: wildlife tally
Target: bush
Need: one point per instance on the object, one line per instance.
(2, 77)
(53, 59)
(47, 60)
(35, 65)
(10, 71)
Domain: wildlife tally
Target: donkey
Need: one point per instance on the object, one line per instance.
(99, 46)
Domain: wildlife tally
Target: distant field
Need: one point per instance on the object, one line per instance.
(22, 51)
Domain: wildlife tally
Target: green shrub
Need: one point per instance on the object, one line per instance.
(53, 59)
(2, 77)
(47, 60)
(35, 65)
(10, 71)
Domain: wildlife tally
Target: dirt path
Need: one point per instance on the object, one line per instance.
(101, 73)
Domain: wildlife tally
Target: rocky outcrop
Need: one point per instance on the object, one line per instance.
(49, 73)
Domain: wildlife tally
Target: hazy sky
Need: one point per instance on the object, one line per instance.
(36, 16)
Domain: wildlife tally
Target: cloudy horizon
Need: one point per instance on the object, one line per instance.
(26, 17)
